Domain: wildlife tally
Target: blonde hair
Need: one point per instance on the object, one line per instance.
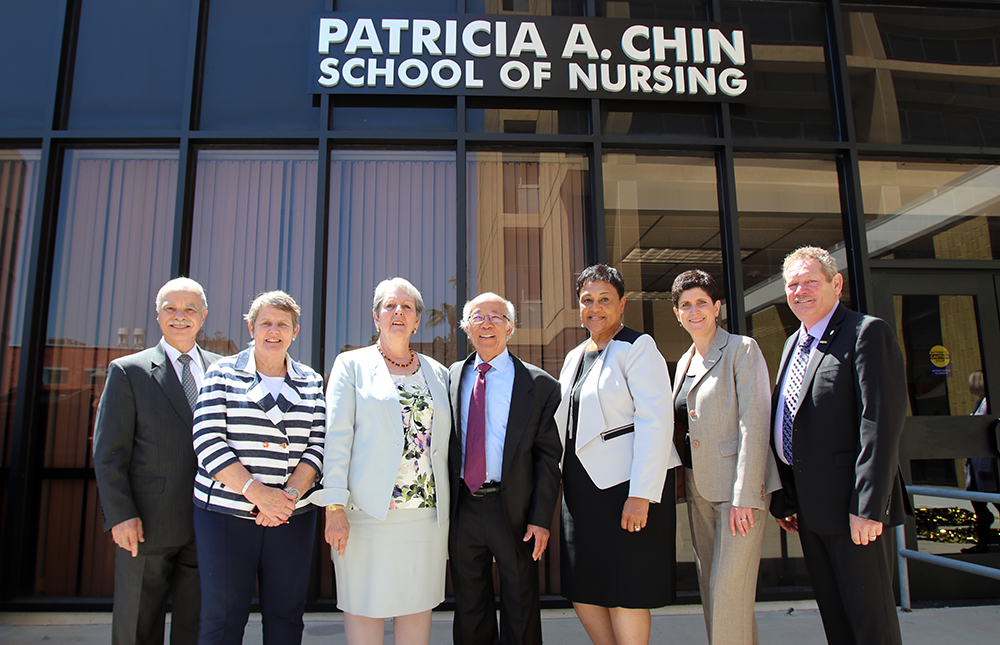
(827, 264)
(277, 299)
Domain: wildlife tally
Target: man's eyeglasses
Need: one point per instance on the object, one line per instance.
(479, 319)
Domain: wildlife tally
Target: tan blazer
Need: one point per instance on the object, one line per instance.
(729, 421)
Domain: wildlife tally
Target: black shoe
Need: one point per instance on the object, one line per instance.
(979, 548)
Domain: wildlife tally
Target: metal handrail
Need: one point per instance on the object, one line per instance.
(903, 553)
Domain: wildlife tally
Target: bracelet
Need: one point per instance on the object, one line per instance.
(334, 507)
(246, 486)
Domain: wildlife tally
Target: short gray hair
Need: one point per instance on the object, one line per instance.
(181, 284)
(467, 309)
(826, 261)
(277, 299)
(403, 285)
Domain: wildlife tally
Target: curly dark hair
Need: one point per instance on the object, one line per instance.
(601, 273)
(694, 279)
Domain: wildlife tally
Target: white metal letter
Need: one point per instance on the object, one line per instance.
(628, 43)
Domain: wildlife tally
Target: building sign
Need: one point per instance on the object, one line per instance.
(361, 53)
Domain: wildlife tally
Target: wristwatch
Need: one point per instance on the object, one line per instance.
(334, 507)
(294, 492)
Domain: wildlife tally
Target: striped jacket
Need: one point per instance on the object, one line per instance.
(237, 420)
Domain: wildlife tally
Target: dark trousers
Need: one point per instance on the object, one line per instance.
(142, 586)
(479, 533)
(853, 586)
(235, 552)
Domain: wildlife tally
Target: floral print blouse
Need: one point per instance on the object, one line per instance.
(415, 478)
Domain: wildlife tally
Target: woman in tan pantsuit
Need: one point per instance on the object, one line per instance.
(722, 405)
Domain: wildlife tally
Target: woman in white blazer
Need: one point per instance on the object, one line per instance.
(615, 423)
(385, 476)
(722, 405)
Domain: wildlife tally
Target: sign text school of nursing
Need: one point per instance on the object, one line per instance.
(365, 53)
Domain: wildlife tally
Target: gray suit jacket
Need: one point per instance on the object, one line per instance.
(846, 433)
(143, 455)
(729, 407)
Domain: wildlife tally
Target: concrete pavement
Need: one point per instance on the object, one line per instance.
(781, 623)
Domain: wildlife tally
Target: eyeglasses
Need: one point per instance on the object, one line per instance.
(479, 319)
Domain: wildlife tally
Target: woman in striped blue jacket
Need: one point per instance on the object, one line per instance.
(259, 428)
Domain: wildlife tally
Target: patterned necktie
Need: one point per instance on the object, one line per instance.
(475, 433)
(187, 380)
(793, 387)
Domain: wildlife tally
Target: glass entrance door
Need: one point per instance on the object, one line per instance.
(947, 326)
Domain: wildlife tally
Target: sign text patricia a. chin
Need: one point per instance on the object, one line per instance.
(529, 56)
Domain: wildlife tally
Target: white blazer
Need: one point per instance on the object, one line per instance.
(628, 385)
(364, 433)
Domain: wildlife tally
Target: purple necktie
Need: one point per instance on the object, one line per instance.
(475, 433)
(793, 387)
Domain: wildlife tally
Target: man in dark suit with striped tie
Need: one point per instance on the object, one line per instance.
(145, 467)
(839, 406)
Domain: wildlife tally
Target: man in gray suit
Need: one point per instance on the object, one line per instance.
(839, 406)
(145, 467)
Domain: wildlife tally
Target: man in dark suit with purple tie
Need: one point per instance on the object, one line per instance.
(504, 461)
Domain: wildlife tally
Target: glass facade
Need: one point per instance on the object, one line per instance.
(873, 133)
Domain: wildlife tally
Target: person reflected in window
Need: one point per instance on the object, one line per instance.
(385, 484)
(258, 436)
(722, 405)
(981, 474)
(615, 420)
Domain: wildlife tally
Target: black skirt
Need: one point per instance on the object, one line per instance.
(603, 564)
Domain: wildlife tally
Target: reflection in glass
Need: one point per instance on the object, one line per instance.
(924, 210)
(528, 7)
(934, 329)
(520, 116)
(376, 113)
(662, 218)
(112, 253)
(658, 117)
(392, 213)
(793, 99)
(946, 91)
(691, 10)
(18, 189)
(254, 226)
(526, 214)
(784, 203)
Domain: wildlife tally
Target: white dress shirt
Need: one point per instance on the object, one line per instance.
(499, 388)
(197, 369)
(816, 332)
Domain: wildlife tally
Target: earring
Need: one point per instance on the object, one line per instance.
(377, 330)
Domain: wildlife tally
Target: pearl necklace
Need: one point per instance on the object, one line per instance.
(400, 365)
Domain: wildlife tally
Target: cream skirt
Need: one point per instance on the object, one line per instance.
(394, 567)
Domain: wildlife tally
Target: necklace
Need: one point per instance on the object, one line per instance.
(621, 326)
(401, 365)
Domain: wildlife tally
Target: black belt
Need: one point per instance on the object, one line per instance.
(489, 488)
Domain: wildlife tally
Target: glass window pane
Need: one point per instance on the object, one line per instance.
(929, 209)
(783, 204)
(658, 117)
(526, 215)
(392, 213)
(692, 10)
(946, 91)
(233, 54)
(254, 226)
(661, 219)
(521, 116)
(30, 42)
(113, 252)
(528, 7)
(385, 114)
(18, 188)
(119, 79)
(790, 69)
